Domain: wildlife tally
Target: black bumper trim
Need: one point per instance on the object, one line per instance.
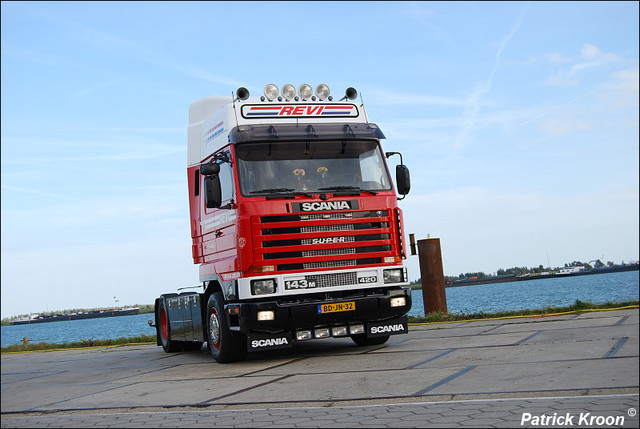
(291, 317)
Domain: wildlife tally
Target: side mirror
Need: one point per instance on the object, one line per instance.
(212, 190)
(209, 169)
(403, 180)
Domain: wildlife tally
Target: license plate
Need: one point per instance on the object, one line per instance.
(340, 306)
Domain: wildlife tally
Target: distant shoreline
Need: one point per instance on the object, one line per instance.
(514, 278)
(95, 314)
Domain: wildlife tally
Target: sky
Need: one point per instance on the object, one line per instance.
(517, 120)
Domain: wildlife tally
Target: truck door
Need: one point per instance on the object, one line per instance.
(219, 225)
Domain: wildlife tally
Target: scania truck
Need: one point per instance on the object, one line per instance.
(295, 226)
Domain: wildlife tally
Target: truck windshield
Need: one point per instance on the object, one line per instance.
(311, 167)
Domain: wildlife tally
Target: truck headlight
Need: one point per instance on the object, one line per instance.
(393, 276)
(271, 91)
(288, 91)
(263, 287)
(305, 91)
(322, 91)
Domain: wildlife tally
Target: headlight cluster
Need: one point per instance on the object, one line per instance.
(263, 287)
(304, 92)
(288, 92)
(395, 275)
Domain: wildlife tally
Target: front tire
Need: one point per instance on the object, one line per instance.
(225, 346)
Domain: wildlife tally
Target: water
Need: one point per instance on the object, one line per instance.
(534, 294)
(488, 298)
(75, 330)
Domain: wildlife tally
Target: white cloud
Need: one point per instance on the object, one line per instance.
(595, 59)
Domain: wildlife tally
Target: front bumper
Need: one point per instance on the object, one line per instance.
(371, 309)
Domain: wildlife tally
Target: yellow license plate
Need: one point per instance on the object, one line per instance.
(340, 306)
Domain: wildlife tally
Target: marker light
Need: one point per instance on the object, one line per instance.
(263, 268)
(271, 92)
(288, 91)
(322, 91)
(305, 91)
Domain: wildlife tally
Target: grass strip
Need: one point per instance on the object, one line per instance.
(44, 346)
(579, 306)
(436, 317)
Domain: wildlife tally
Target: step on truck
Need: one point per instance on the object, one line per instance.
(295, 226)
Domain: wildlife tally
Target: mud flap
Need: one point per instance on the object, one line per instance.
(398, 325)
(259, 342)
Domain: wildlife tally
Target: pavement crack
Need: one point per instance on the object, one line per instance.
(284, 377)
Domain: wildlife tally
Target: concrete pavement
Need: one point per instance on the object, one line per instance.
(482, 373)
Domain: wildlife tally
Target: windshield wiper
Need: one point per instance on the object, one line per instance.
(272, 190)
(347, 188)
(281, 193)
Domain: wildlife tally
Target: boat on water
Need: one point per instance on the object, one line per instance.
(43, 318)
(570, 270)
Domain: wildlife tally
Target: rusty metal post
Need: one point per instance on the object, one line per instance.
(433, 291)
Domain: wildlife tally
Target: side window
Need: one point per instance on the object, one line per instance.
(226, 181)
(196, 182)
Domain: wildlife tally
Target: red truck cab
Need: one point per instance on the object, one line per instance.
(294, 223)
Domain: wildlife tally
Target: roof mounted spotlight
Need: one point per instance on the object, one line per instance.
(288, 91)
(350, 94)
(305, 91)
(271, 91)
(242, 93)
(322, 91)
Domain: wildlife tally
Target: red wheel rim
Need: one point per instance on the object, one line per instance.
(164, 327)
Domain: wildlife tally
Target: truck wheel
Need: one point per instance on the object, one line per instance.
(164, 330)
(362, 340)
(224, 345)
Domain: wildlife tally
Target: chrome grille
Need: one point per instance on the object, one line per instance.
(328, 264)
(323, 240)
(327, 228)
(329, 252)
(319, 216)
(333, 280)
